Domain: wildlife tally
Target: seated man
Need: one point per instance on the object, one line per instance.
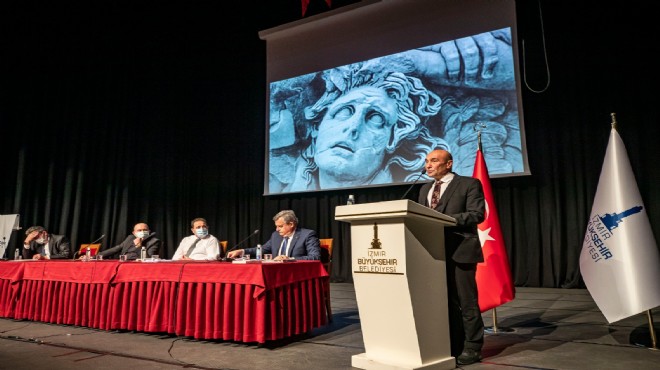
(200, 246)
(132, 245)
(287, 241)
(39, 244)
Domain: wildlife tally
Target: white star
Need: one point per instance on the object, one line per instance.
(484, 236)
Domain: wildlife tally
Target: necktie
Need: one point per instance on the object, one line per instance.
(283, 246)
(435, 198)
(192, 247)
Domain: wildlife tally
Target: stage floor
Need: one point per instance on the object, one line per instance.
(541, 329)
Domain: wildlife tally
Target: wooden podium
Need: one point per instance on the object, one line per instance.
(398, 262)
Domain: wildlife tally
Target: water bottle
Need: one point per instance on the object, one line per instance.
(88, 253)
(351, 200)
(17, 254)
(258, 251)
(143, 253)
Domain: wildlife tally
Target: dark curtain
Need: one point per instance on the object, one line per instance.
(118, 112)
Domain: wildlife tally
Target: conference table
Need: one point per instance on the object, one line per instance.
(250, 302)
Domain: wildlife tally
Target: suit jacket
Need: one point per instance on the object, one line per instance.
(305, 245)
(128, 248)
(58, 245)
(463, 200)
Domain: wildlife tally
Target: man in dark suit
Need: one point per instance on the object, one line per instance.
(462, 198)
(132, 245)
(287, 241)
(39, 244)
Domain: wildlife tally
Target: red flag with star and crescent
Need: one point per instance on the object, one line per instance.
(305, 3)
(494, 274)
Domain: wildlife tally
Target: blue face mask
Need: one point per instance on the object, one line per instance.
(201, 232)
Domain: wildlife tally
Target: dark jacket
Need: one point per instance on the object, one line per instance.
(153, 245)
(463, 200)
(305, 245)
(58, 245)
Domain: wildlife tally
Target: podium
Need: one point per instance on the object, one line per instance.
(398, 263)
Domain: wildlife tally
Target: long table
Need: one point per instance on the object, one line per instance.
(204, 300)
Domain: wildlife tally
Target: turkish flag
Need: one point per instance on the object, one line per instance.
(305, 3)
(494, 274)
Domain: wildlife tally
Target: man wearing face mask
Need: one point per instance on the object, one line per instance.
(199, 246)
(39, 245)
(132, 245)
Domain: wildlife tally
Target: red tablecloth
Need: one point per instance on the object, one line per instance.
(204, 300)
(11, 275)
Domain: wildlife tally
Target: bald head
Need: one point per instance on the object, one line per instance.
(438, 163)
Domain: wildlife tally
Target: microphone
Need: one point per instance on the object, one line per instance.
(94, 242)
(255, 232)
(98, 240)
(413, 184)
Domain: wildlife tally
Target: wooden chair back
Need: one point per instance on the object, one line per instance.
(94, 249)
(326, 253)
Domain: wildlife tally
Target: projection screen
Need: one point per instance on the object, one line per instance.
(358, 96)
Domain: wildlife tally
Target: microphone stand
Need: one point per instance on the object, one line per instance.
(227, 259)
(413, 184)
(94, 242)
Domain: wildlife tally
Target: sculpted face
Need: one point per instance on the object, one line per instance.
(351, 141)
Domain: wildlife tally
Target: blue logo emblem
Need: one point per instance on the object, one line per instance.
(601, 228)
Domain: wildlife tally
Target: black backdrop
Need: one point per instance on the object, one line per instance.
(117, 112)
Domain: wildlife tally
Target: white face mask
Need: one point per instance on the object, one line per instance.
(41, 241)
(142, 234)
(201, 232)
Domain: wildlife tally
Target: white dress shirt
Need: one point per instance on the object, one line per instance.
(288, 240)
(207, 248)
(446, 179)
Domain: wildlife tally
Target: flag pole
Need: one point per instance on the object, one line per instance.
(478, 130)
(492, 329)
(648, 312)
(651, 330)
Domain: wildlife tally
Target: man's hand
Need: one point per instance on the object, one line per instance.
(31, 236)
(235, 254)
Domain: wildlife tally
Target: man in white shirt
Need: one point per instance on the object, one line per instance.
(199, 246)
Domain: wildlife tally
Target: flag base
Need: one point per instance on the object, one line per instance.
(497, 329)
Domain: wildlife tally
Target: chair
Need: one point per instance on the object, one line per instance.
(326, 260)
(223, 247)
(94, 249)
